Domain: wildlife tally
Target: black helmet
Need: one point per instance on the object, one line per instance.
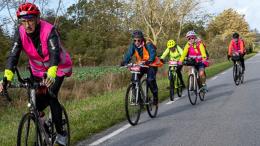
(235, 35)
(137, 34)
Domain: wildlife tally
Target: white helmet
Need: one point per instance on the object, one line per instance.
(191, 33)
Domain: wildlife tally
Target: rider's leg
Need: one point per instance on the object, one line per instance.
(202, 75)
(242, 62)
(151, 79)
(179, 74)
(56, 109)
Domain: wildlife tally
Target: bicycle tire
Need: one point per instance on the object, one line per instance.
(202, 95)
(192, 89)
(150, 107)
(236, 74)
(129, 93)
(65, 121)
(28, 119)
(241, 74)
(171, 86)
(179, 87)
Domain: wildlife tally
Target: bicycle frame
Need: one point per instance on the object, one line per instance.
(194, 71)
(137, 84)
(31, 87)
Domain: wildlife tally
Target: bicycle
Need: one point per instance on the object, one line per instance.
(175, 84)
(33, 129)
(194, 82)
(138, 95)
(238, 74)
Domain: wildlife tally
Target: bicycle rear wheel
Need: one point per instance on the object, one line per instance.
(236, 74)
(151, 108)
(29, 132)
(202, 94)
(192, 89)
(132, 107)
(65, 126)
(241, 74)
(178, 87)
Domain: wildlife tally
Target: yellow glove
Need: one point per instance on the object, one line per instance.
(52, 72)
(9, 75)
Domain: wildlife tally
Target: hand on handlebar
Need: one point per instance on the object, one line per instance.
(48, 81)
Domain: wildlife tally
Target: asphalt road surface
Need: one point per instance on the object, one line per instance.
(229, 116)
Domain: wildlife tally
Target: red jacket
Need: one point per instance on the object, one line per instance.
(236, 47)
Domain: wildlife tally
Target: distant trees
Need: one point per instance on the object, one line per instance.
(97, 32)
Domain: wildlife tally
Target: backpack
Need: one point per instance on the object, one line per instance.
(200, 42)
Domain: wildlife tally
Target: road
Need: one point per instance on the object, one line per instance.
(229, 116)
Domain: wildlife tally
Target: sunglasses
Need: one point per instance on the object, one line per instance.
(191, 38)
(137, 40)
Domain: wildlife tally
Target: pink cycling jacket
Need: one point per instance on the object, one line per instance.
(38, 64)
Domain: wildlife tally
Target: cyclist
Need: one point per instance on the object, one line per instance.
(175, 53)
(237, 46)
(41, 43)
(194, 48)
(144, 51)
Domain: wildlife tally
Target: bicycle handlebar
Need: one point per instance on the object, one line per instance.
(24, 83)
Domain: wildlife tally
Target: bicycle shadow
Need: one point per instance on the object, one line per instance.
(219, 86)
(217, 95)
(140, 138)
(188, 106)
(251, 80)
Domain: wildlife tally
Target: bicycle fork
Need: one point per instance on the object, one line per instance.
(195, 77)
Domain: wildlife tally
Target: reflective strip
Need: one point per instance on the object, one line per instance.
(66, 70)
(46, 64)
(62, 55)
(193, 56)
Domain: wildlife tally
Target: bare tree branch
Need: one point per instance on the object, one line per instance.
(56, 14)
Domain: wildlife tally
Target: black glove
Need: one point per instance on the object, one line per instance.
(162, 61)
(228, 57)
(122, 63)
(147, 62)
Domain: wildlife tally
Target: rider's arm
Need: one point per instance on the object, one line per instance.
(15, 52)
(152, 51)
(185, 52)
(129, 54)
(242, 47)
(203, 52)
(180, 51)
(54, 47)
(230, 49)
(165, 53)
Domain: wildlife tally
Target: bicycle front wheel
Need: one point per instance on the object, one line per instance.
(192, 89)
(152, 109)
(171, 87)
(132, 105)
(29, 132)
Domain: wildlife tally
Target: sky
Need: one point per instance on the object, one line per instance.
(247, 7)
(250, 8)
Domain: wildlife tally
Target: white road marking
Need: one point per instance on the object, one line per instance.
(223, 73)
(171, 102)
(214, 78)
(101, 140)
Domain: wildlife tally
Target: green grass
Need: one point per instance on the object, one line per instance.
(89, 115)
